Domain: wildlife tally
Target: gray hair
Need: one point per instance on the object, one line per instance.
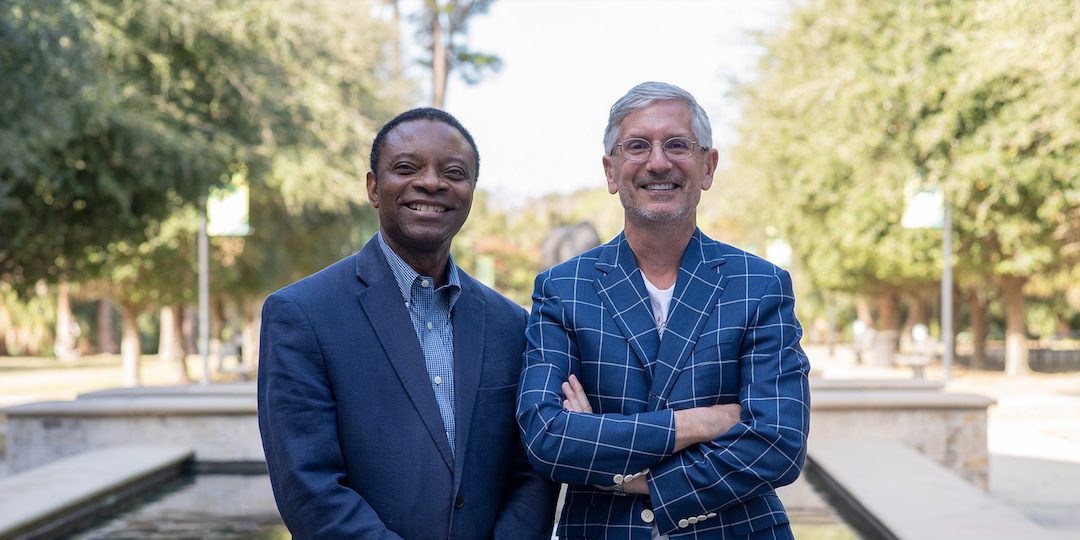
(646, 94)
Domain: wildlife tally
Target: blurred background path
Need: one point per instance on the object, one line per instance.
(1033, 432)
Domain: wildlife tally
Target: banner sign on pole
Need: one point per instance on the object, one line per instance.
(227, 209)
(925, 209)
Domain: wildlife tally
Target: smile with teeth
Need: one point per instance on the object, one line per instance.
(659, 187)
(420, 207)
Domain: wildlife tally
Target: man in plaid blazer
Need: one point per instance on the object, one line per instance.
(663, 376)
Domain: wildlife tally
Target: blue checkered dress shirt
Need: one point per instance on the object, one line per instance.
(430, 310)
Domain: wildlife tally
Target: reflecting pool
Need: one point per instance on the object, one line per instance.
(205, 506)
(241, 506)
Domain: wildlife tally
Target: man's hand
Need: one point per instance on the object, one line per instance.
(692, 426)
(703, 424)
(576, 400)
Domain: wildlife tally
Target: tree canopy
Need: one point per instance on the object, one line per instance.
(859, 104)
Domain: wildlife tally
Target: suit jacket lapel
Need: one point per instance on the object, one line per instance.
(623, 293)
(385, 309)
(696, 292)
(468, 321)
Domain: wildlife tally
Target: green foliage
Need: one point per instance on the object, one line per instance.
(858, 102)
(124, 112)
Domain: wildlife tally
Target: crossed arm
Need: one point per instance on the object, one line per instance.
(701, 469)
(692, 426)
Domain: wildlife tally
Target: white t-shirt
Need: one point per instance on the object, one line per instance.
(661, 303)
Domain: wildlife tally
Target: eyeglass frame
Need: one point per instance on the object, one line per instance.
(653, 145)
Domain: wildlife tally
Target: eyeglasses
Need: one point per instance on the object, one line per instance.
(636, 149)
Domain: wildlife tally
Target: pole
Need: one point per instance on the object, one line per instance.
(204, 292)
(947, 291)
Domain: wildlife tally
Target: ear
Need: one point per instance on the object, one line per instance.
(712, 157)
(372, 193)
(609, 172)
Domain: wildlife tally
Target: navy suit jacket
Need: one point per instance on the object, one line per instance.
(354, 441)
(731, 337)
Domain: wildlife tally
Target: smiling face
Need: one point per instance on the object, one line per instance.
(660, 191)
(423, 188)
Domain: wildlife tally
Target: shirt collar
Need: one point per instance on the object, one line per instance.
(405, 275)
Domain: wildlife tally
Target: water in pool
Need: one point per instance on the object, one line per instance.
(203, 506)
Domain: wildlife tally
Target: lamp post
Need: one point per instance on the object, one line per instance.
(947, 335)
(930, 209)
(204, 292)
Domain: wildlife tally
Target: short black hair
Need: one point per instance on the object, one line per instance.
(422, 113)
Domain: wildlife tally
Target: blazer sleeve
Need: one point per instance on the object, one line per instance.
(767, 448)
(569, 447)
(298, 425)
(529, 508)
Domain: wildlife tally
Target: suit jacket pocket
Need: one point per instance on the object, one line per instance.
(497, 394)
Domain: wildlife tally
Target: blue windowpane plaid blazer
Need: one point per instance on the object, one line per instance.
(731, 337)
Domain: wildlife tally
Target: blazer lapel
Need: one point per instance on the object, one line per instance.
(623, 293)
(468, 321)
(385, 309)
(696, 292)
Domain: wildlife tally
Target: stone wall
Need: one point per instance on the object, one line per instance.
(221, 428)
(949, 428)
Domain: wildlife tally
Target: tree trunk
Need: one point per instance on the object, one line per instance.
(5, 330)
(1016, 351)
(190, 329)
(170, 343)
(887, 333)
(130, 348)
(888, 312)
(67, 329)
(440, 67)
(863, 311)
(217, 324)
(252, 324)
(395, 24)
(980, 327)
(106, 340)
(918, 313)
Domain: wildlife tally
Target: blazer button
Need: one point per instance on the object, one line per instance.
(647, 516)
(684, 523)
(459, 501)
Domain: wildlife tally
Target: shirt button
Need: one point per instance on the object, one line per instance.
(438, 379)
(429, 326)
(683, 523)
(647, 516)
(424, 283)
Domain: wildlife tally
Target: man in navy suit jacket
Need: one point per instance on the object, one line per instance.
(387, 381)
(663, 377)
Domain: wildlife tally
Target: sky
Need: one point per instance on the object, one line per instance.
(539, 121)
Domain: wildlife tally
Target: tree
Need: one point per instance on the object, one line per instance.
(286, 94)
(860, 103)
(441, 29)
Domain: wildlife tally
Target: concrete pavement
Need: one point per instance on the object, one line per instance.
(1033, 433)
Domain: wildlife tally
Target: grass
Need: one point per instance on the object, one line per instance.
(24, 379)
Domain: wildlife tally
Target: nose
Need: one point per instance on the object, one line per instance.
(429, 181)
(658, 160)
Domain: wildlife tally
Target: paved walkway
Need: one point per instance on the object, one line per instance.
(1033, 434)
